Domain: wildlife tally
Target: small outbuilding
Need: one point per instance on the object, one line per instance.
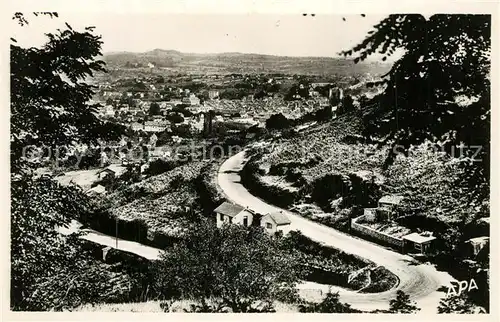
(418, 243)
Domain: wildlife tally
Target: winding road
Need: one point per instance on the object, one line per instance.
(420, 281)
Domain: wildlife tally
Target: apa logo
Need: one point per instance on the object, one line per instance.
(462, 286)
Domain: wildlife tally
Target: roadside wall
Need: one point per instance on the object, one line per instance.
(379, 236)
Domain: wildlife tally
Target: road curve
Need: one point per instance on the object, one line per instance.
(420, 281)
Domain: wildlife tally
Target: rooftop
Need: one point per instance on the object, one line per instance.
(228, 209)
(97, 189)
(419, 239)
(479, 240)
(279, 218)
(106, 170)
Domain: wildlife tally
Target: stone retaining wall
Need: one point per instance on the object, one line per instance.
(364, 230)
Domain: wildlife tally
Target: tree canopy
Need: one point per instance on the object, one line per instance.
(278, 122)
(234, 264)
(50, 95)
(51, 271)
(438, 90)
(330, 304)
(402, 304)
(154, 109)
(50, 107)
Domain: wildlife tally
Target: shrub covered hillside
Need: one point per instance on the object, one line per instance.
(330, 173)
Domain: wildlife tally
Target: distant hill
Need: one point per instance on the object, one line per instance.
(244, 63)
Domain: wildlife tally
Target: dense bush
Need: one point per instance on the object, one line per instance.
(330, 304)
(327, 265)
(250, 179)
(105, 222)
(236, 264)
(50, 270)
(160, 166)
(277, 122)
(328, 188)
(209, 194)
(381, 280)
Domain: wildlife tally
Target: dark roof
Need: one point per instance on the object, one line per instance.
(279, 218)
(228, 209)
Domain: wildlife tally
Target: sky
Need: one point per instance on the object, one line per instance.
(283, 35)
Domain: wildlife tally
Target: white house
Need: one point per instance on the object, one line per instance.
(124, 108)
(106, 172)
(153, 139)
(276, 221)
(176, 139)
(477, 244)
(418, 243)
(231, 213)
(159, 153)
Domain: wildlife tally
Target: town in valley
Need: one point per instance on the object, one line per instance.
(169, 181)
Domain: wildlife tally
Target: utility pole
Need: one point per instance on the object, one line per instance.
(116, 231)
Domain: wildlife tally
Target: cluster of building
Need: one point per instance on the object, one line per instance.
(132, 107)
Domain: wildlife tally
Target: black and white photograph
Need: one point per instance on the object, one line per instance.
(313, 162)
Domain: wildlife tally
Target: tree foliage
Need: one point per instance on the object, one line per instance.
(347, 105)
(301, 90)
(51, 271)
(234, 264)
(402, 304)
(439, 89)
(49, 93)
(50, 108)
(457, 303)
